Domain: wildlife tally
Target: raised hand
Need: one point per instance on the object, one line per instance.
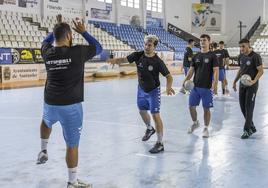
(59, 18)
(79, 27)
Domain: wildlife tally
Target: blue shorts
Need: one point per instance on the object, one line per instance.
(186, 69)
(149, 101)
(221, 75)
(70, 118)
(201, 93)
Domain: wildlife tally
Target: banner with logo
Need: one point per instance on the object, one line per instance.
(206, 18)
(5, 56)
(8, 2)
(29, 3)
(42, 72)
(64, 7)
(37, 56)
(22, 55)
(182, 34)
(100, 14)
(16, 73)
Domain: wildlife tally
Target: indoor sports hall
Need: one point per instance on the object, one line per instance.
(133, 93)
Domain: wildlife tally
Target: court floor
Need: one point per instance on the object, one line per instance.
(112, 154)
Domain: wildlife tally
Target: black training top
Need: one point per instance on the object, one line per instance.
(203, 64)
(148, 70)
(249, 63)
(187, 53)
(65, 72)
(226, 53)
(220, 55)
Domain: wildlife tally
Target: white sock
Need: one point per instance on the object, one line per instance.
(195, 122)
(148, 125)
(159, 137)
(72, 174)
(206, 126)
(44, 143)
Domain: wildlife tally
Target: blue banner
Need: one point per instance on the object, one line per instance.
(5, 56)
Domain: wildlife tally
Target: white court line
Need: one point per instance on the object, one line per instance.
(143, 155)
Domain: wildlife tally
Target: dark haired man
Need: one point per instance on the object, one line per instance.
(204, 66)
(64, 91)
(250, 63)
(149, 65)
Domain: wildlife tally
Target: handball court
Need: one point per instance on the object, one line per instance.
(112, 154)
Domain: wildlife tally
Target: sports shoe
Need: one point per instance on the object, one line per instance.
(42, 157)
(182, 90)
(148, 134)
(253, 129)
(246, 134)
(205, 133)
(193, 127)
(158, 147)
(78, 184)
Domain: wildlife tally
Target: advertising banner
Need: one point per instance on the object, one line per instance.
(16, 73)
(22, 55)
(206, 18)
(5, 56)
(100, 14)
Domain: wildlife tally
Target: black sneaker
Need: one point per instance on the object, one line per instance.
(253, 129)
(148, 134)
(246, 134)
(158, 147)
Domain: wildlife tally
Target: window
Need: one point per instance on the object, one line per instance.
(131, 3)
(154, 5)
(106, 1)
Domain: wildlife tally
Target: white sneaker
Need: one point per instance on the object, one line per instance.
(42, 157)
(78, 184)
(205, 133)
(182, 90)
(193, 127)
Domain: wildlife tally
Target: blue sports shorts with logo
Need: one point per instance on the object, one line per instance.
(149, 101)
(201, 93)
(70, 118)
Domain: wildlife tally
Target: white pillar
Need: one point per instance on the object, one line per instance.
(264, 11)
(143, 13)
(116, 9)
(164, 14)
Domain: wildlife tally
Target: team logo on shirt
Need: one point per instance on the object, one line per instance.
(140, 65)
(197, 61)
(206, 60)
(150, 68)
(248, 63)
(218, 55)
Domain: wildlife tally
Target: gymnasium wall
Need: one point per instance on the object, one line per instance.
(176, 12)
(246, 11)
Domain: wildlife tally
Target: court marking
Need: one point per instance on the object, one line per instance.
(143, 155)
